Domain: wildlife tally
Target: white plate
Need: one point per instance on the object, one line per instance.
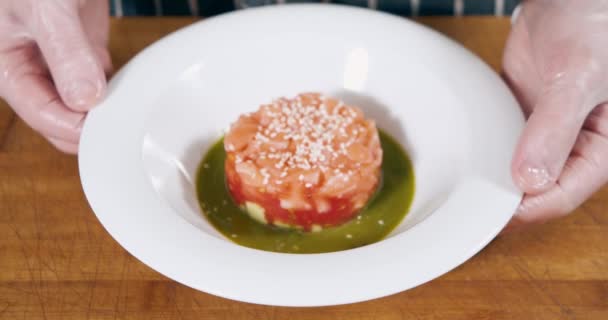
(140, 148)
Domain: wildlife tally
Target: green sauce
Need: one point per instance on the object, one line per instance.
(381, 215)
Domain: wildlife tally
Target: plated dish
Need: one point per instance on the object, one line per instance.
(431, 101)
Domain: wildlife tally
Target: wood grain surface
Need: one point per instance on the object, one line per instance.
(57, 261)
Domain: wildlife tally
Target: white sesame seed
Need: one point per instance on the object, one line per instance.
(349, 236)
(261, 137)
(381, 222)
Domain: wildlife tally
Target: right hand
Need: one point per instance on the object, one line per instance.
(556, 61)
(53, 63)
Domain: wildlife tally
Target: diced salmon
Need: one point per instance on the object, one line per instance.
(337, 186)
(276, 145)
(241, 134)
(359, 153)
(320, 168)
(248, 172)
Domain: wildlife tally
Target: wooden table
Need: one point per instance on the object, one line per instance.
(57, 261)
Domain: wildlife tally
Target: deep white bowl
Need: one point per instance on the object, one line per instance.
(457, 120)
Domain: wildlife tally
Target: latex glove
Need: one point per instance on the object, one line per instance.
(52, 61)
(556, 61)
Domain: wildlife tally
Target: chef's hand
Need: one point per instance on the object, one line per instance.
(53, 60)
(556, 62)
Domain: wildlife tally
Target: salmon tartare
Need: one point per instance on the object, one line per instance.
(309, 162)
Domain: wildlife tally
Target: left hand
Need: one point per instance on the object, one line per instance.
(53, 63)
(556, 62)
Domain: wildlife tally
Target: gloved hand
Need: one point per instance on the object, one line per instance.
(556, 62)
(53, 60)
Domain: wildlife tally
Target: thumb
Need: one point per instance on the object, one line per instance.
(549, 136)
(75, 67)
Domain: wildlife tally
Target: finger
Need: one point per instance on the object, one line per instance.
(598, 120)
(572, 87)
(33, 97)
(95, 20)
(74, 65)
(549, 136)
(64, 146)
(519, 70)
(106, 61)
(515, 14)
(583, 174)
(43, 110)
